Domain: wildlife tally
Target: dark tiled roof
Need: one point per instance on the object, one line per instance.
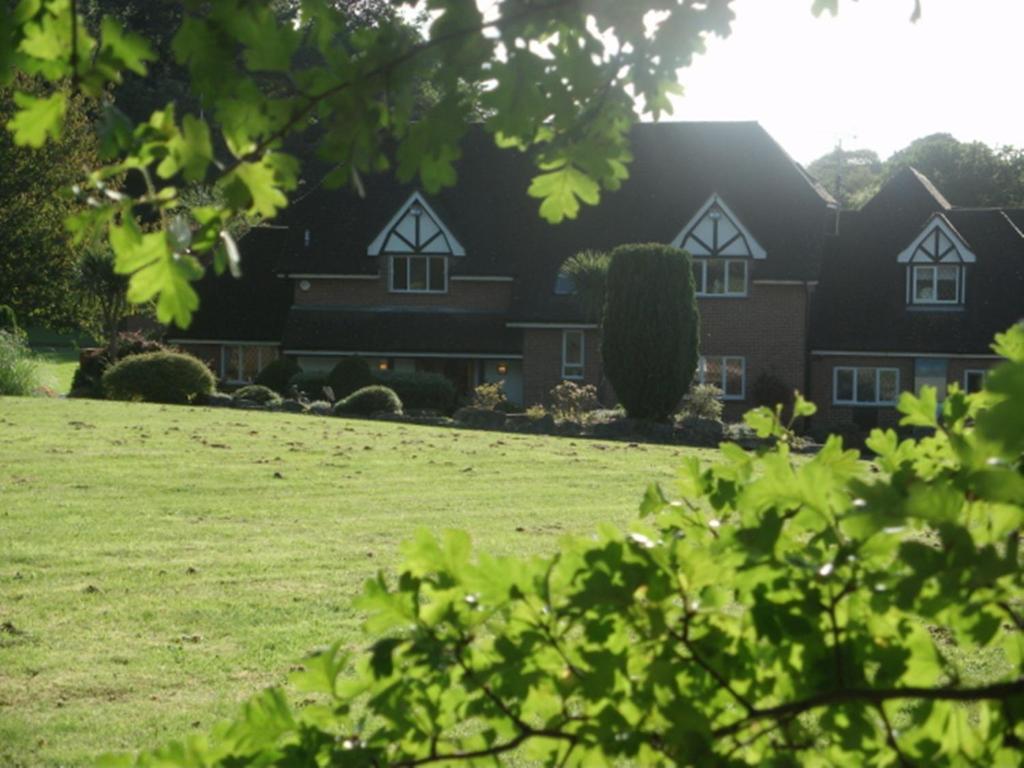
(860, 303)
(1016, 215)
(250, 308)
(676, 168)
(395, 330)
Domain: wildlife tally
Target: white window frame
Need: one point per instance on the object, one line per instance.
(914, 299)
(723, 362)
(566, 363)
(701, 288)
(983, 372)
(237, 349)
(408, 272)
(878, 386)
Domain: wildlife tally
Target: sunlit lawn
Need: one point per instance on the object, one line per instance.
(159, 564)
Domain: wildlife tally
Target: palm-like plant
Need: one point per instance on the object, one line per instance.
(588, 271)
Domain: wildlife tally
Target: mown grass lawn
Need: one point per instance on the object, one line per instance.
(160, 564)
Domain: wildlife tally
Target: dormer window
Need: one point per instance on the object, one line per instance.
(418, 248)
(721, 249)
(564, 284)
(936, 285)
(936, 272)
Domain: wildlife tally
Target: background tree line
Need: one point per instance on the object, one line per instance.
(970, 174)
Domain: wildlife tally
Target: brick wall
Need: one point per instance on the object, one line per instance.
(829, 415)
(957, 366)
(768, 328)
(864, 416)
(542, 362)
(473, 295)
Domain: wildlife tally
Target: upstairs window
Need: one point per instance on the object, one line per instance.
(418, 247)
(721, 248)
(720, 277)
(936, 284)
(564, 284)
(936, 271)
(572, 354)
(419, 274)
(865, 386)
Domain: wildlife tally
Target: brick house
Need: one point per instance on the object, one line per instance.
(468, 282)
(912, 292)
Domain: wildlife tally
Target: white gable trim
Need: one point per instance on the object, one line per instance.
(941, 223)
(756, 250)
(377, 246)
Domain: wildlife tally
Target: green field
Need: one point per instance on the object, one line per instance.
(159, 564)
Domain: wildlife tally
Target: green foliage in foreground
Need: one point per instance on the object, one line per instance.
(811, 616)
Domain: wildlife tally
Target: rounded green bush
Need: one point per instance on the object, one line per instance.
(158, 377)
(257, 393)
(368, 401)
(350, 374)
(650, 329)
(421, 391)
(277, 375)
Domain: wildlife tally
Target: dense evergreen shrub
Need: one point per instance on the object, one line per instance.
(257, 393)
(158, 377)
(310, 383)
(420, 391)
(368, 401)
(8, 320)
(350, 374)
(18, 372)
(650, 328)
(277, 375)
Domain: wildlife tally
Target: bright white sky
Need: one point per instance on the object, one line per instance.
(867, 76)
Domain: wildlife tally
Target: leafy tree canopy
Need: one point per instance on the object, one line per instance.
(967, 173)
(850, 175)
(544, 74)
(37, 257)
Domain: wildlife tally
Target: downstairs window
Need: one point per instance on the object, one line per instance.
(865, 386)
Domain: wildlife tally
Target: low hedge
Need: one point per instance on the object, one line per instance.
(421, 391)
(159, 377)
(368, 401)
(277, 375)
(257, 393)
